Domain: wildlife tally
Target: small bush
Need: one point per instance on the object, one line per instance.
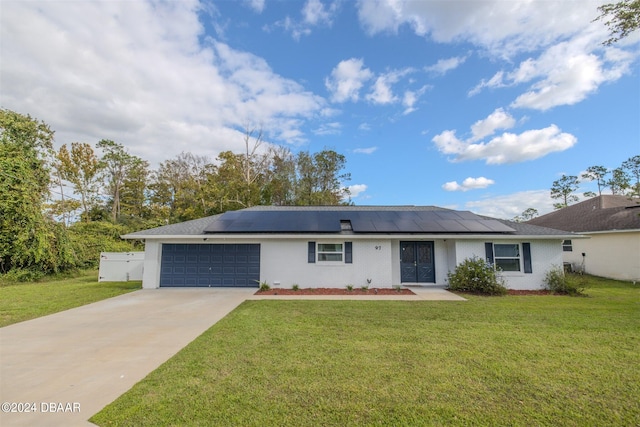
(23, 275)
(558, 282)
(295, 287)
(364, 288)
(477, 276)
(264, 286)
(349, 288)
(397, 288)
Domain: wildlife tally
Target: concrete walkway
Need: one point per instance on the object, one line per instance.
(69, 365)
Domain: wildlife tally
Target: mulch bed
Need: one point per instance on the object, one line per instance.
(336, 291)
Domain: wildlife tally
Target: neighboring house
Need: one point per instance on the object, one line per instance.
(336, 246)
(613, 225)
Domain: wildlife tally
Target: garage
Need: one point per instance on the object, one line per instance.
(210, 265)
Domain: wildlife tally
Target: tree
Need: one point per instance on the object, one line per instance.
(632, 167)
(319, 178)
(281, 177)
(28, 239)
(180, 189)
(526, 215)
(596, 173)
(81, 167)
(563, 189)
(619, 181)
(622, 18)
(115, 161)
(133, 198)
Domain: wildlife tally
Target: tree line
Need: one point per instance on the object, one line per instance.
(623, 180)
(60, 208)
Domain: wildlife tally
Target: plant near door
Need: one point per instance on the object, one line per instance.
(264, 286)
(477, 276)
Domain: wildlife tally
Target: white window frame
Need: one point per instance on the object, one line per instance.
(567, 245)
(323, 252)
(520, 257)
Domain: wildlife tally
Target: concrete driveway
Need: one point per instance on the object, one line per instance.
(60, 370)
(67, 366)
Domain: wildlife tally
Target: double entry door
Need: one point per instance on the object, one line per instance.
(416, 262)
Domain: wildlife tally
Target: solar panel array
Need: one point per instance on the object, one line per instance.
(364, 221)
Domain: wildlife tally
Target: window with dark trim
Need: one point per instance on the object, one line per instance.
(567, 246)
(507, 256)
(330, 252)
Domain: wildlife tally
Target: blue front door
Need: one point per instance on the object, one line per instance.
(417, 263)
(210, 265)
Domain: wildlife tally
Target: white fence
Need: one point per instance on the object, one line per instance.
(120, 266)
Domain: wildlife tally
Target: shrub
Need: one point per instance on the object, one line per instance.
(23, 275)
(557, 282)
(264, 286)
(349, 288)
(477, 276)
(295, 287)
(364, 288)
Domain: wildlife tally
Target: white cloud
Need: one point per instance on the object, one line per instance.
(357, 189)
(566, 74)
(494, 82)
(346, 80)
(367, 150)
(314, 13)
(505, 148)
(382, 93)
(511, 205)
(443, 66)
(499, 119)
(571, 63)
(91, 71)
(502, 28)
(332, 128)
(256, 5)
(468, 184)
(410, 98)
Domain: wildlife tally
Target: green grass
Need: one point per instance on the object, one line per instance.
(514, 360)
(24, 301)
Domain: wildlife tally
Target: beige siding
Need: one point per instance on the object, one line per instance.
(615, 255)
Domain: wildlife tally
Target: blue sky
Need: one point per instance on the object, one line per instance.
(473, 105)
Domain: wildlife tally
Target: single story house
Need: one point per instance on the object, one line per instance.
(613, 224)
(336, 246)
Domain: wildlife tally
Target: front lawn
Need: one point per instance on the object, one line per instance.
(514, 360)
(24, 301)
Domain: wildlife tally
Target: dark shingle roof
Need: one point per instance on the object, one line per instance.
(602, 213)
(363, 219)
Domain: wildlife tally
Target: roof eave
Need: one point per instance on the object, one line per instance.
(368, 236)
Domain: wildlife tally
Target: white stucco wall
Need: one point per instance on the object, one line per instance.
(615, 255)
(152, 257)
(545, 254)
(285, 261)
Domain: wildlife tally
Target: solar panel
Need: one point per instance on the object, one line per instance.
(364, 221)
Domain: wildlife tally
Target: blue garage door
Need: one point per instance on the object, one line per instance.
(214, 265)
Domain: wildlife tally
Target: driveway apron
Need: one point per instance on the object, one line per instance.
(61, 369)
